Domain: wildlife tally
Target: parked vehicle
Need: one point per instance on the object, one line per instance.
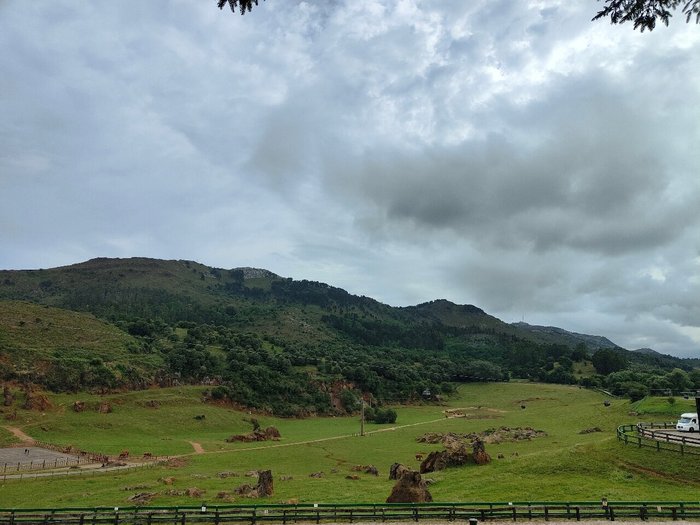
(688, 422)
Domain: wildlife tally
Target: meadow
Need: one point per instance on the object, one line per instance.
(564, 465)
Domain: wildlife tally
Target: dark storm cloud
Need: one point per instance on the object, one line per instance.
(582, 169)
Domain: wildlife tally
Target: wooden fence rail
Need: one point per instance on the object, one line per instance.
(327, 513)
(646, 435)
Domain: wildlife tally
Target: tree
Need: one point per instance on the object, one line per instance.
(645, 13)
(245, 5)
(607, 361)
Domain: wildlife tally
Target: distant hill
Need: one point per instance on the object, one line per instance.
(554, 334)
(261, 340)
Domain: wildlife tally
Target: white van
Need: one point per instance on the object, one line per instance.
(688, 422)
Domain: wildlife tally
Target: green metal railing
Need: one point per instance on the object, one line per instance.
(336, 513)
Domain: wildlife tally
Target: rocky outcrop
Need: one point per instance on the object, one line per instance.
(36, 401)
(397, 470)
(491, 435)
(455, 455)
(264, 487)
(410, 488)
(8, 398)
(479, 455)
(269, 434)
(367, 469)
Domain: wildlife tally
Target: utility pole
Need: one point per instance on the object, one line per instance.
(362, 418)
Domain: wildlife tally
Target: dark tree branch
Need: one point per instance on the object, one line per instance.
(645, 13)
(245, 5)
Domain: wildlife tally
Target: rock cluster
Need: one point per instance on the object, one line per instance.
(410, 488)
(264, 487)
(367, 469)
(455, 455)
(491, 435)
(397, 470)
(8, 398)
(269, 434)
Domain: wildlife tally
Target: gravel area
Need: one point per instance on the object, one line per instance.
(26, 456)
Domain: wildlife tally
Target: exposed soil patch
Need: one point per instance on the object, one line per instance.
(24, 438)
(198, 449)
(655, 473)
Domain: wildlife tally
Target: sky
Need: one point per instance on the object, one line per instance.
(513, 155)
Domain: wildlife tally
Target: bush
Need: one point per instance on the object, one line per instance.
(384, 415)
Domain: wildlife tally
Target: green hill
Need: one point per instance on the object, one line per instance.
(58, 347)
(264, 341)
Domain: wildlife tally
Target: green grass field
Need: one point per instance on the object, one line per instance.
(564, 465)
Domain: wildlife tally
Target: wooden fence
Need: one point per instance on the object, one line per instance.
(647, 435)
(336, 513)
(65, 462)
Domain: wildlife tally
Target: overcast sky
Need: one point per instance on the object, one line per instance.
(509, 154)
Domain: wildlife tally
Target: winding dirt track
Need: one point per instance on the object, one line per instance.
(24, 438)
(198, 449)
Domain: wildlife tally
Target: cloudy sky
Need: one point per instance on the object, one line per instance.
(509, 154)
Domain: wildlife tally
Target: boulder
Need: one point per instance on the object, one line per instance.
(244, 490)
(265, 484)
(36, 401)
(78, 406)
(8, 398)
(263, 488)
(479, 454)
(271, 433)
(104, 408)
(410, 489)
(397, 470)
(142, 497)
(367, 469)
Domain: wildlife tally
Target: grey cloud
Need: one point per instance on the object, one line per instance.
(505, 154)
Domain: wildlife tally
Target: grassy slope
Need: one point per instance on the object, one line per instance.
(565, 465)
(29, 332)
(201, 285)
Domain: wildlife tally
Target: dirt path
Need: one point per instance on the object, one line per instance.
(24, 438)
(312, 441)
(198, 449)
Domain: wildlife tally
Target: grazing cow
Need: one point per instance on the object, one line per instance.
(147, 455)
(124, 454)
(419, 457)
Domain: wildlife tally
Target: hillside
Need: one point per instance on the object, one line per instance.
(553, 334)
(53, 346)
(264, 341)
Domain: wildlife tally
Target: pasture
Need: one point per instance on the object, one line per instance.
(563, 465)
